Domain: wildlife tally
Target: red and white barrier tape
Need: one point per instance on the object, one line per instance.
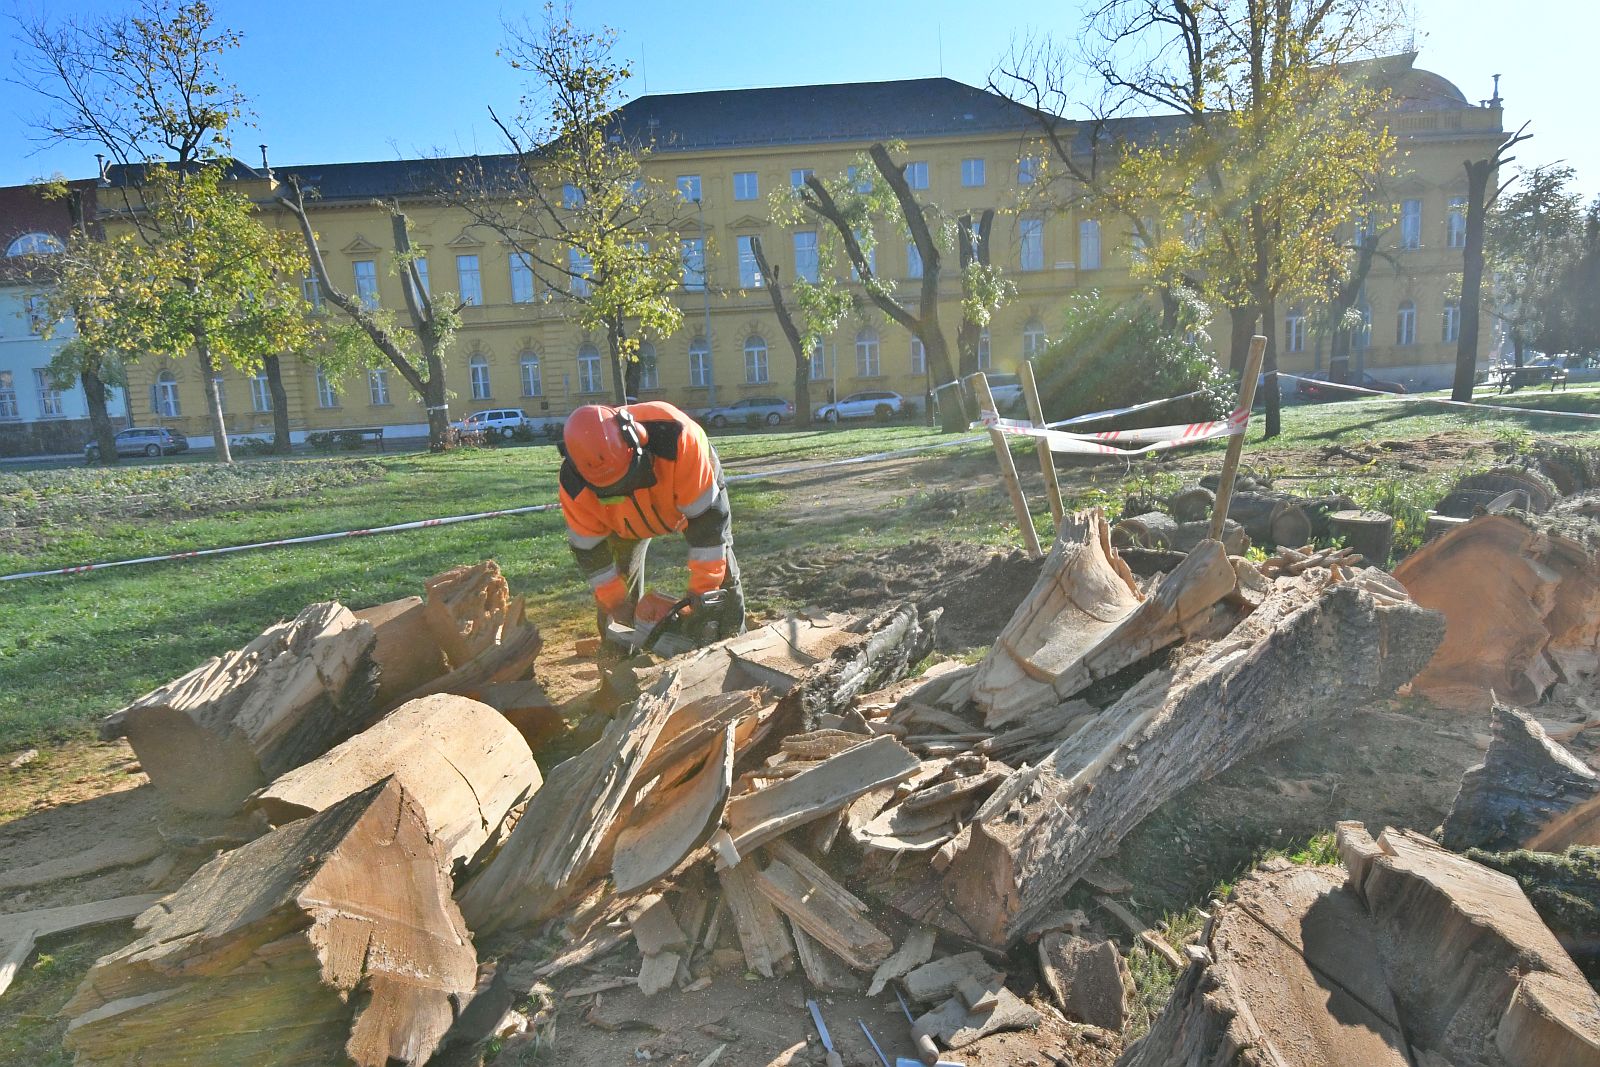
(1408, 398)
(1110, 442)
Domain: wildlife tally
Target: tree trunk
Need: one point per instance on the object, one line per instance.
(105, 435)
(791, 333)
(1479, 173)
(1518, 346)
(219, 428)
(619, 371)
(281, 445)
(1269, 366)
(433, 399)
(1242, 324)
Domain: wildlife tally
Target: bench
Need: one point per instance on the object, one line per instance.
(344, 433)
(1510, 379)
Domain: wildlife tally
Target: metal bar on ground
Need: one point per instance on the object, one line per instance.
(979, 384)
(1230, 462)
(1047, 462)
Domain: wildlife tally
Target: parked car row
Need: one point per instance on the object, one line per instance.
(1318, 387)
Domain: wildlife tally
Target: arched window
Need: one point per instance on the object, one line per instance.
(1294, 331)
(755, 359)
(36, 244)
(983, 349)
(588, 369)
(919, 356)
(867, 353)
(1452, 322)
(478, 370)
(649, 372)
(164, 396)
(1361, 336)
(1033, 340)
(532, 381)
(1405, 324)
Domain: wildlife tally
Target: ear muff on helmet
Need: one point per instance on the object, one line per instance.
(630, 430)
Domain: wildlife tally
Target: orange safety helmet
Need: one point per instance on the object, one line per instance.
(603, 443)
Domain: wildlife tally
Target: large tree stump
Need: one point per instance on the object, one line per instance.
(1471, 494)
(461, 760)
(239, 720)
(330, 940)
(1369, 533)
(1311, 649)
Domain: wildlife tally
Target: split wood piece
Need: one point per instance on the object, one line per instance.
(654, 928)
(823, 970)
(768, 951)
(773, 657)
(929, 817)
(123, 852)
(564, 839)
(231, 725)
(527, 707)
(939, 979)
(1085, 620)
(979, 385)
(913, 952)
(20, 930)
(332, 939)
(468, 608)
(879, 651)
(1295, 976)
(809, 870)
(657, 973)
(756, 818)
(660, 834)
(1564, 888)
(1529, 792)
(407, 650)
(695, 724)
(1088, 979)
(461, 760)
(1471, 963)
(955, 1026)
(509, 661)
(1311, 649)
(1048, 727)
(824, 910)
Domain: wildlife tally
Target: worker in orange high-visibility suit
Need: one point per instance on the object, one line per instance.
(637, 472)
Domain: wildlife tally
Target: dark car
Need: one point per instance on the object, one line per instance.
(1317, 387)
(142, 441)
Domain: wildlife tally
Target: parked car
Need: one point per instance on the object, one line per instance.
(1007, 390)
(1317, 387)
(502, 421)
(142, 441)
(768, 409)
(874, 403)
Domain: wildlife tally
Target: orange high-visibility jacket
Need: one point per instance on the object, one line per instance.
(688, 495)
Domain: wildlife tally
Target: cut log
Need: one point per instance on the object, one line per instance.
(406, 651)
(1369, 533)
(881, 650)
(1535, 492)
(1192, 505)
(659, 835)
(329, 940)
(461, 760)
(818, 906)
(509, 661)
(1153, 529)
(1089, 980)
(527, 707)
(1312, 648)
(1529, 792)
(564, 839)
(768, 951)
(469, 608)
(1284, 521)
(214, 736)
(1085, 620)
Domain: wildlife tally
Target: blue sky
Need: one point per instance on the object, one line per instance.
(360, 80)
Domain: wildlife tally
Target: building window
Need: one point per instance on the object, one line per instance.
(367, 282)
(1456, 223)
(649, 372)
(869, 252)
(806, 264)
(1294, 331)
(49, 396)
(422, 272)
(327, 395)
(1088, 245)
(746, 185)
(532, 381)
(699, 362)
(1405, 325)
(222, 394)
(8, 396)
(755, 360)
(819, 361)
(972, 176)
(478, 373)
(311, 289)
(571, 197)
(917, 175)
(164, 396)
(693, 254)
(913, 260)
(378, 386)
(1029, 169)
(749, 273)
(521, 278)
(260, 392)
(580, 267)
(919, 356)
(1143, 236)
(798, 176)
(984, 362)
(36, 244)
(1411, 224)
(470, 280)
(1033, 340)
(862, 185)
(1452, 322)
(867, 353)
(588, 369)
(689, 187)
(37, 308)
(1365, 227)
(1361, 336)
(1030, 236)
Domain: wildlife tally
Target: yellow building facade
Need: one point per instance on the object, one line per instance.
(519, 347)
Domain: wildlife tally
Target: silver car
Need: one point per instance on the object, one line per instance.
(752, 409)
(142, 441)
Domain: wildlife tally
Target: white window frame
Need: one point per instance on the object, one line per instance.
(749, 272)
(532, 374)
(985, 350)
(1294, 331)
(469, 276)
(807, 260)
(755, 360)
(589, 376)
(1088, 244)
(689, 187)
(260, 393)
(422, 272)
(699, 363)
(1034, 341)
(917, 174)
(919, 356)
(9, 409)
(1410, 224)
(1450, 326)
(522, 287)
(1028, 169)
(311, 289)
(649, 367)
(973, 173)
(746, 185)
(36, 244)
(478, 378)
(1405, 324)
(913, 260)
(1361, 336)
(819, 361)
(1456, 223)
(36, 309)
(327, 392)
(164, 394)
(1030, 243)
(692, 252)
(51, 405)
(366, 275)
(579, 265)
(867, 361)
(378, 387)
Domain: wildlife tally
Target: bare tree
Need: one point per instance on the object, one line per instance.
(1480, 176)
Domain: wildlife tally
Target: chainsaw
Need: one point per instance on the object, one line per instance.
(668, 627)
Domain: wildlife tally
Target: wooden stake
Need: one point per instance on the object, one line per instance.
(979, 384)
(1230, 463)
(1047, 462)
